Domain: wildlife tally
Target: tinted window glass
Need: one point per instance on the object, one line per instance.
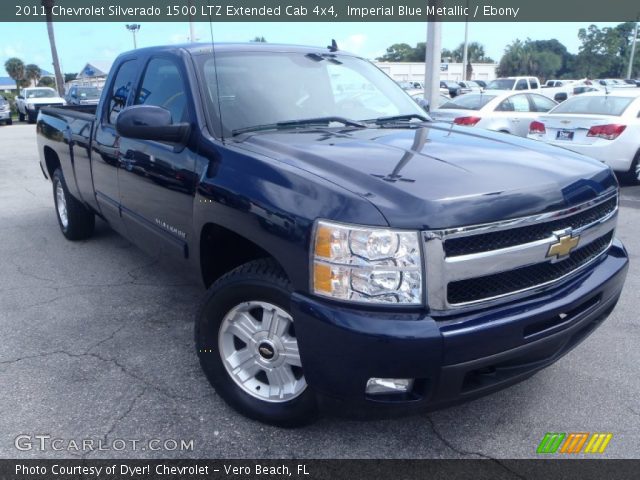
(534, 83)
(469, 101)
(162, 86)
(120, 90)
(262, 88)
(542, 104)
(521, 85)
(604, 105)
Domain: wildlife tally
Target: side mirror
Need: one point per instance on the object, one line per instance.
(20, 97)
(147, 122)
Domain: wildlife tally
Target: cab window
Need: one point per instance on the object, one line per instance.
(163, 86)
(120, 89)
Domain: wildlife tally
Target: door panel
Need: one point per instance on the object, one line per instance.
(105, 162)
(157, 180)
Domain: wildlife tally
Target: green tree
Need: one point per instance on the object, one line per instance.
(15, 69)
(398, 52)
(48, 9)
(32, 73)
(529, 58)
(47, 82)
(259, 39)
(69, 77)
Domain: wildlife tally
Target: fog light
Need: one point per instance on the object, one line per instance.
(382, 386)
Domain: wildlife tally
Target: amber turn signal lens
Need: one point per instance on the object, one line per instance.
(322, 277)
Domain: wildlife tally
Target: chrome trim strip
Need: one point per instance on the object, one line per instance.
(496, 261)
(521, 221)
(441, 270)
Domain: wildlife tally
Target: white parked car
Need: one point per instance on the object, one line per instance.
(514, 83)
(507, 112)
(32, 99)
(604, 126)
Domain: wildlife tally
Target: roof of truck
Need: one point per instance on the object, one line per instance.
(204, 48)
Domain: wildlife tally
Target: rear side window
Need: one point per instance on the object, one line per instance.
(163, 86)
(521, 85)
(542, 104)
(120, 90)
(604, 105)
(534, 83)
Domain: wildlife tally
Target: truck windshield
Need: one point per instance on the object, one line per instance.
(267, 88)
(501, 84)
(40, 93)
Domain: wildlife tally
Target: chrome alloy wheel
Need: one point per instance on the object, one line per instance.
(61, 203)
(259, 350)
(637, 172)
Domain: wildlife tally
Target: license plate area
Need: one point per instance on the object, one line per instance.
(564, 135)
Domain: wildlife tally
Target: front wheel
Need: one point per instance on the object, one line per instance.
(246, 342)
(20, 116)
(632, 176)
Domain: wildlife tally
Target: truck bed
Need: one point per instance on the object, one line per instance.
(84, 112)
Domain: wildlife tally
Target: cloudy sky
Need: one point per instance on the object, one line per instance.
(79, 43)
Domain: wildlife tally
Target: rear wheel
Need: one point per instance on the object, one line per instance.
(20, 116)
(246, 342)
(76, 221)
(10, 121)
(31, 117)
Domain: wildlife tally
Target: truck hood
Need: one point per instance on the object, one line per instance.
(439, 176)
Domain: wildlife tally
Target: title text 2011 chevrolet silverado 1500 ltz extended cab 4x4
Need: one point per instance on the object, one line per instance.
(356, 254)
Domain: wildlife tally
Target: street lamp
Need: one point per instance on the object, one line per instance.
(133, 28)
(633, 50)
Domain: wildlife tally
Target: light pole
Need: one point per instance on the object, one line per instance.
(633, 51)
(465, 49)
(133, 28)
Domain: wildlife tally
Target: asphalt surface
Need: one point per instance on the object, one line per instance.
(97, 344)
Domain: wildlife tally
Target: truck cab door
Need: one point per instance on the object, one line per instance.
(157, 179)
(104, 157)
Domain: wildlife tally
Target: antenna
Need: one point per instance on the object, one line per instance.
(215, 67)
(334, 46)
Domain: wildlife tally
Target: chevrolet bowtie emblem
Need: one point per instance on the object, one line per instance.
(563, 247)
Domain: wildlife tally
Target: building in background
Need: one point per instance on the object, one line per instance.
(7, 85)
(92, 74)
(414, 72)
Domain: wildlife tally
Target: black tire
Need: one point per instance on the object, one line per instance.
(260, 280)
(630, 177)
(21, 116)
(31, 117)
(10, 121)
(80, 220)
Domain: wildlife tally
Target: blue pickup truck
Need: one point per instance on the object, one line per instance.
(357, 256)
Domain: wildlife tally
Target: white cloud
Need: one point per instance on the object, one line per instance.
(353, 43)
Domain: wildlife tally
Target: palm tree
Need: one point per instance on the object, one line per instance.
(15, 68)
(32, 73)
(48, 8)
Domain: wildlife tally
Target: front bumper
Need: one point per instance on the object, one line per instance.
(453, 359)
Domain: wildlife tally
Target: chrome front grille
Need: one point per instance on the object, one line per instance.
(492, 263)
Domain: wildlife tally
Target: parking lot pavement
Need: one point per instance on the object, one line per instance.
(98, 344)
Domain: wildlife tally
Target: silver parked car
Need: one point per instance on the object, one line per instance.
(5, 111)
(508, 112)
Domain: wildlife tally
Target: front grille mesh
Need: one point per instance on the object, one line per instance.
(517, 236)
(481, 288)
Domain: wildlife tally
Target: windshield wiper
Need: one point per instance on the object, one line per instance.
(400, 118)
(305, 122)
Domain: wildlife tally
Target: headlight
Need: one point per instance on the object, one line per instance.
(371, 265)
